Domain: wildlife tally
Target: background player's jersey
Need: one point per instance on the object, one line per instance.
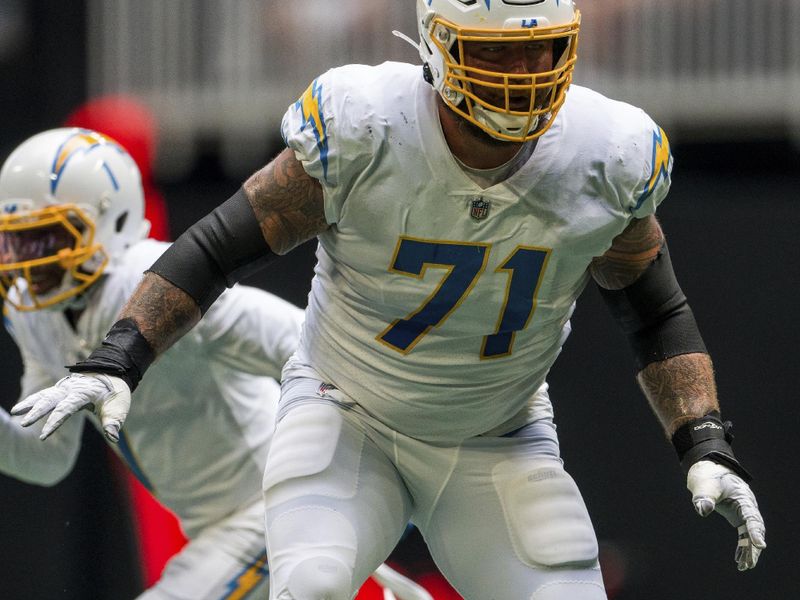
(440, 306)
(201, 419)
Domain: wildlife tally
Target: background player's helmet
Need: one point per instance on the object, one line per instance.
(71, 203)
(444, 25)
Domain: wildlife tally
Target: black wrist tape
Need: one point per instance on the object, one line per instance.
(707, 438)
(220, 249)
(124, 353)
(654, 314)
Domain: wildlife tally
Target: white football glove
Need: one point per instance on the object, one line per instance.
(716, 487)
(106, 396)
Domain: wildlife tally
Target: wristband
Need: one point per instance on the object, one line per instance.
(124, 353)
(707, 438)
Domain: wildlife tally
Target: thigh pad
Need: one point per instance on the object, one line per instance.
(313, 441)
(545, 514)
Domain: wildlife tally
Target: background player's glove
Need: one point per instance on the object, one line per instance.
(107, 396)
(716, 487)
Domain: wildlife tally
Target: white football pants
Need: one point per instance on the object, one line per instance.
(226, 561)
(502, 518)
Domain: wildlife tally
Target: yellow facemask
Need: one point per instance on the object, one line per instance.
(41, 254)
(490, 99)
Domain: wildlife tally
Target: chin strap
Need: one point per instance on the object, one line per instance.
(707, 438)
(405, 38)
(505, 123)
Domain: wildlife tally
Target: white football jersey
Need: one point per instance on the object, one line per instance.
(201, 419)
(437, 305)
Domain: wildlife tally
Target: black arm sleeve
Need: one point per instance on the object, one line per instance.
(222, 248)
(654, 314)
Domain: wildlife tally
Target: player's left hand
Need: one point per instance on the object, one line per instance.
(716, 487)
(107, 396)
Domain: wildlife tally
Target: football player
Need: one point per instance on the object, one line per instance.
(461, 207)
(72, 249)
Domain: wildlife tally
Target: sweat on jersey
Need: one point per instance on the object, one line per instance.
(438, 305)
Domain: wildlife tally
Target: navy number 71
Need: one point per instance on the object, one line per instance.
(463, 264)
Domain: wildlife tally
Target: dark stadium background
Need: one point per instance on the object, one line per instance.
(732, 220)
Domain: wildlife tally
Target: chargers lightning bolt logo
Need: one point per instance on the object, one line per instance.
(85, 141)
(659, 167)
(241, 585)
(309, 107)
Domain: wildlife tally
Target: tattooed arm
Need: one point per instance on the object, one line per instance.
(288, 205)
(679, 388)
(676, 375)
(280, 205)
(630, 254)
(287, 202)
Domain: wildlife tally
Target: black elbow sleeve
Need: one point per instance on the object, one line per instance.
(222, 248)
(654, 314)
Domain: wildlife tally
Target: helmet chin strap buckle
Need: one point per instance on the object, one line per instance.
(505, 124)
(426, 73)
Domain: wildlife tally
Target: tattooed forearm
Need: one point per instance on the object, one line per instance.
(289, 207)
(679, 389)
(162, 311)
(287, 202)
(630, 254)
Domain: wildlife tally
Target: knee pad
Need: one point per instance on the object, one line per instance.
(319, 578)
(545, 515)
(312, 551)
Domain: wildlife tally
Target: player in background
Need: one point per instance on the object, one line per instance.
(128, 121)
(72, 249)
(461, 207)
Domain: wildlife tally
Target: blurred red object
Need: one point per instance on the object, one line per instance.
(371, 590)
(158, 531)
(438, 586)
(433, 582)
(133, 125)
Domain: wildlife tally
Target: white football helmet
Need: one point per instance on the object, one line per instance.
(444, 26)
(71, 202)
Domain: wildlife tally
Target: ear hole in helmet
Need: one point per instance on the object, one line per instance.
(120, 223)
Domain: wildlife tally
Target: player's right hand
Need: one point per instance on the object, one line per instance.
(106, 396)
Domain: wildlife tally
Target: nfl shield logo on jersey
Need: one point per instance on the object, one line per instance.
(479, 208)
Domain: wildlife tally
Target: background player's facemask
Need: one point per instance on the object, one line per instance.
(41, 255)
(71, 204)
